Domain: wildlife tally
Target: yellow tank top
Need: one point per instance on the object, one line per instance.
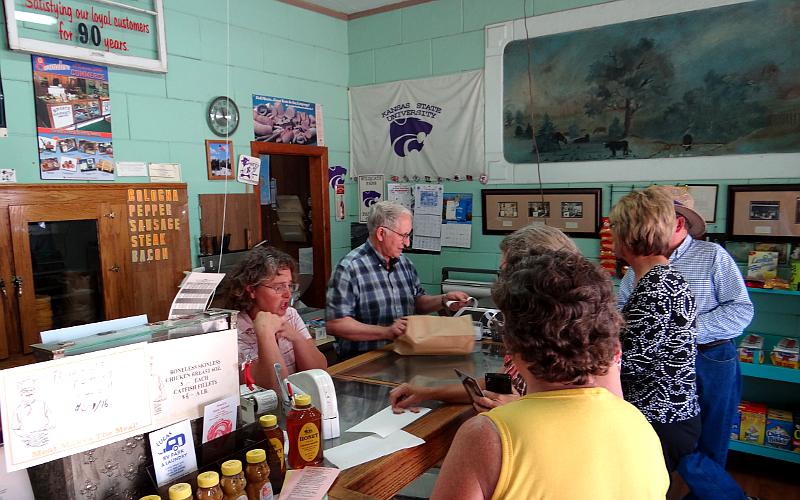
(577, 443)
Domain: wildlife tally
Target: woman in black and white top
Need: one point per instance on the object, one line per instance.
(658, 343)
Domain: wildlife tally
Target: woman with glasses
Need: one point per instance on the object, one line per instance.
(270, 329)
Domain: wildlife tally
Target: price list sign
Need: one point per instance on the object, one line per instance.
(127, 33)
(151, 215)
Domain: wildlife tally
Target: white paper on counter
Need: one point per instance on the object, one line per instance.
(14, 485)
(369, 448)
(195, 293)
(385, 422)
(309, 483)
(219, 418)
(173, 452)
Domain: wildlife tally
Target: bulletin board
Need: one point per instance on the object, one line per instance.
(574, 211)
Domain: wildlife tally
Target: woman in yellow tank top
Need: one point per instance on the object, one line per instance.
(569, 437)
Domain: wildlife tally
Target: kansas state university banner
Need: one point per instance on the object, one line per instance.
(428, 127)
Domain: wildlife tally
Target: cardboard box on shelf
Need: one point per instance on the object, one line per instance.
(778, 429)
(786, 353)
(751, 349)
(753, 424)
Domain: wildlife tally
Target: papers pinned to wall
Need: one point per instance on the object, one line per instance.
(457, 220)
(428, 217)
(370, 191)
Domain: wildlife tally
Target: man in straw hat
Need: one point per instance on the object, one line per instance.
(723, 311)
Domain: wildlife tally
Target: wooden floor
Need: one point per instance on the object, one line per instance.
(762, 477)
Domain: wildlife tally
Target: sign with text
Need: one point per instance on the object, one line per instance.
(128, 33)
(73, 120)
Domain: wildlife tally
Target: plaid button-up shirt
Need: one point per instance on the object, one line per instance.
(362, 288)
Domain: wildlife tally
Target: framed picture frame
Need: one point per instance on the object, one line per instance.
(705, 200)
(219, 158)
(576, 211)
(768, 212)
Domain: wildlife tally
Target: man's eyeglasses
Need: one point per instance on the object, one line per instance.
(282, 288)
(405, 236)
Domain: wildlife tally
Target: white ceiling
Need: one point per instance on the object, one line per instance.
(352, 6)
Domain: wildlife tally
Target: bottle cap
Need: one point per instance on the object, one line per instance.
(151, 497)
(180, 491)
(268, 420)
(302, 399)
(231, 467)
(256, 456)
(207, 479)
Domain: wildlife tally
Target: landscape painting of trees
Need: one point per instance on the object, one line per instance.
(718, 81)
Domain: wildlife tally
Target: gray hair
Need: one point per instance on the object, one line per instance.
(385, 213)
(535, 239)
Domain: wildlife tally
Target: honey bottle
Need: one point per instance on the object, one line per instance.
(304, 426)
(208, 487)
(275, 458)
(180, 491)
(232, 481)
(257, 472)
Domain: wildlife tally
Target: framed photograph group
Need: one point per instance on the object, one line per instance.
(574, 211)
(764, 212)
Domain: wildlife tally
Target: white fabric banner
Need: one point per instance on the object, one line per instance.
(427, 127)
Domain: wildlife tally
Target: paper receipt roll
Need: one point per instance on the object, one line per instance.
(265, 400)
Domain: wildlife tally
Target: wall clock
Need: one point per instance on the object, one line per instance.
(223, 116)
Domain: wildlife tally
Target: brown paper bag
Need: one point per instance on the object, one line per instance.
(436, 335)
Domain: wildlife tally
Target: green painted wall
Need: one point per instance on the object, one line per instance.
(447, 36)
(271, 48)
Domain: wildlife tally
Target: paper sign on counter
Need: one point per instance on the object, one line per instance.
(219, 418)
(369, 448)
(309, 483)
(173, 452)
(385, 422)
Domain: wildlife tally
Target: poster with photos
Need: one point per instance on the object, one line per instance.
(73, 120)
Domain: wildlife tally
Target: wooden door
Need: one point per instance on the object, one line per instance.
(320, 213)
(79, 285)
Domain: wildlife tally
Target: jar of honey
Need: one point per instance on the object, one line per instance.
(304, 426)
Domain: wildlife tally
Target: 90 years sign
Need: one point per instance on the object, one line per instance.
(120, 32)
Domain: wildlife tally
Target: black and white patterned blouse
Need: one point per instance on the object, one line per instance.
(658, 347)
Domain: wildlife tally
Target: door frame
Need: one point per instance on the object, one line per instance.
(320, 208)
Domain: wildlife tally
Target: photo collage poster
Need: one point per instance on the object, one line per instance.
(287, 121)
(73, 120)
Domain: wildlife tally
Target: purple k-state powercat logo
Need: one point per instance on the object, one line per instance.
(370, 198)
(408, 134)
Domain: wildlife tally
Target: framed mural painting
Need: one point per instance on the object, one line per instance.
(639, 89)
(574, 211)
(768, 212)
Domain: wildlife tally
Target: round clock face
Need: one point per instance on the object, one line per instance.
(223, 116)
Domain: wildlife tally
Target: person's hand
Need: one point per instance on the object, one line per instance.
(492, 400)
(289, 333)
(267, 323)
(405, 396)
(397, 328)
(459, 299)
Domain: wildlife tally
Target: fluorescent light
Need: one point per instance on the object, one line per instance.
(30, 17)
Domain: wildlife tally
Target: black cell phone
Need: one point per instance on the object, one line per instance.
(499, 383)
(470, 385)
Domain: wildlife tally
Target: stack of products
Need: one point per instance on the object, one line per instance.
(786, 353)
(751, 349)
(757, 424)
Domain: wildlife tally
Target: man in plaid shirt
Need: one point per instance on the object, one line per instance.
(375, 286)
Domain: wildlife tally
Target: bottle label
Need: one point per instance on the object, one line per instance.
(278, 447)
(266, 492)
(308, 442)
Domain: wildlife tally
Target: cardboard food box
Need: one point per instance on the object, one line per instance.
(735, 423)
(751, 349)
(796, 433)
(753, 423)
(779, 428)
(786, 353)
(762, 265)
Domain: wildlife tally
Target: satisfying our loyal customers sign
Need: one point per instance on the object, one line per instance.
(428, 127)
(126, 33)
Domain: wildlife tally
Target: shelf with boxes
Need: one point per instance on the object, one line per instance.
(773, 418)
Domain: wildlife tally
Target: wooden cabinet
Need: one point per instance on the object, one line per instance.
(76, 254)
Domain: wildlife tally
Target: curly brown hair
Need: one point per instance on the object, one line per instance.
(560, 315)
(261, 263)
